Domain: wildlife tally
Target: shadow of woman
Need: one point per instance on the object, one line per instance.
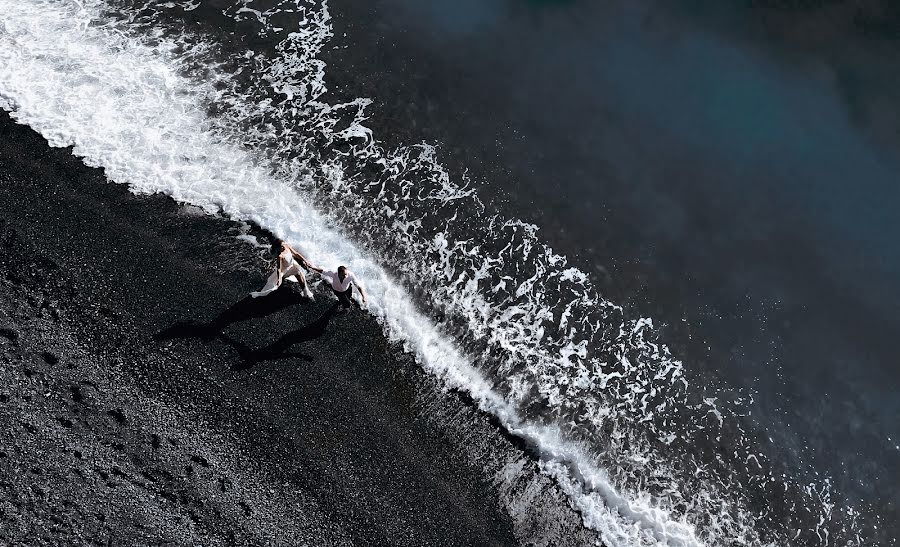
(243, 310)
(251, 308)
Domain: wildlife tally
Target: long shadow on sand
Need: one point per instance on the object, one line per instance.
(253, 308)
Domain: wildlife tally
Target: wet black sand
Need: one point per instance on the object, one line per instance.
(143, 401)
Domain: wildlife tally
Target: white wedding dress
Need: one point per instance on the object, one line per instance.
(291, 270)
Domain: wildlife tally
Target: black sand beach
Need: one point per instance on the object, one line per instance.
(145, 401)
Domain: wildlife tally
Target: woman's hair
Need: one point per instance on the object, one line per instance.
(276, 246)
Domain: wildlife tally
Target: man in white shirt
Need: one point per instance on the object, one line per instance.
(342, 282)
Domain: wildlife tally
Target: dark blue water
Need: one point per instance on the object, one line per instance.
(728, 169)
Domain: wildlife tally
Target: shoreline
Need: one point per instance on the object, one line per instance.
(329, 435)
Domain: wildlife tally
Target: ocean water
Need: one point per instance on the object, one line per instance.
(656, 247)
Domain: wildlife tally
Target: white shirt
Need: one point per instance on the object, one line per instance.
(336, 283)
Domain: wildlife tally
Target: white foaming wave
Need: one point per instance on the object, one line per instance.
(410, 211)
(124, 107)
(596, 368)
(540, 330)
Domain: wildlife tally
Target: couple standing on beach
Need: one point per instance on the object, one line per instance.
(290, 266)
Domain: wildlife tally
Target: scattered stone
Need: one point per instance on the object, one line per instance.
(118, 416)
(49, 358)
(169, 496)
(247, 510)
(200, 460)
(8, 336)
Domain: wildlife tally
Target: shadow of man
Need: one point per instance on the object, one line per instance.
(252, 308)
(279, 348)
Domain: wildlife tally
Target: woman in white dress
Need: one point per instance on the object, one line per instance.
(290, 266)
